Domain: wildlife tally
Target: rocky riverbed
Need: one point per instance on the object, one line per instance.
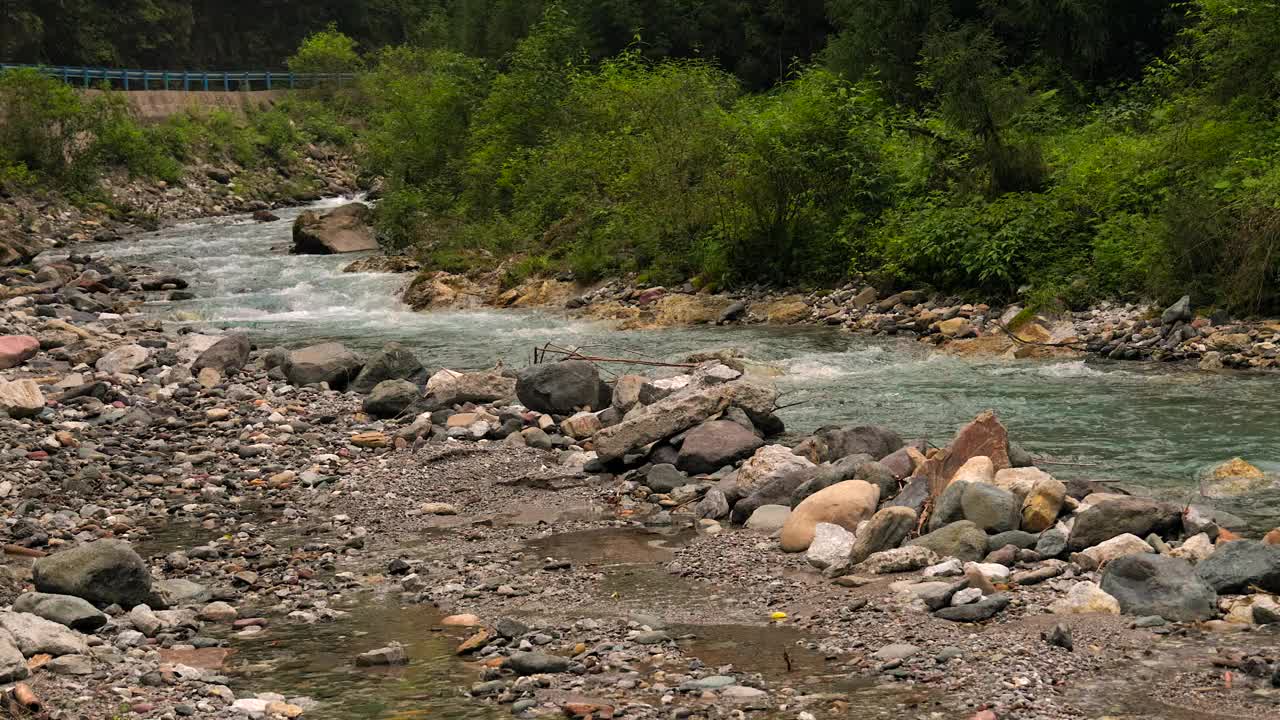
(198, 527)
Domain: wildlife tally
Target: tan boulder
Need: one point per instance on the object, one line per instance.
(845, 504)
(1042, 505)
(768, 463)
(1020, 481)
(342, 230)
(21, 398)
(978, 469)
(581, 426)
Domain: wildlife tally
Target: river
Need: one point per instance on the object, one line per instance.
(1147, 426)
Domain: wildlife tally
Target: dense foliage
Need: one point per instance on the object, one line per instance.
(54, 138)
(1059, 150)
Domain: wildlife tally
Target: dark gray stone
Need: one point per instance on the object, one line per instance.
(963, 540)
(104, 572)
(1179, 311)
(1052, 543)
(532, 663)
(832, 443)
(1149, 584)
(985, 608)
(327, 362)
(712, 445)
(390, 398)
(1138, 516)
(948, 509)
(227, 356)
(393, 362)
(1235, 566)
(1018, 538)
(76, 613)
(664, 478)
(991, 508)
(561, 388)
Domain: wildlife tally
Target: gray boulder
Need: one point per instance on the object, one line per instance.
(832, 443)
(561, 388)
(1134, 515)
(342, 230)
(853, 467)
(712, 445)
(663, 478)
(227, 356)
(949, 507)
(885, 530)
(534, 663)
(104, 572)
(392, 362)
(13, 667)
(991, 508)
(1179, 311)
(1052, 543)
(779, 490)
(474, 387)
(33, 635)
(985, 608)
(1238, 565)
(679, 412)
(962, 539)
(1149, 584)
(768, 518)
(390, 398)
(1018, 538)
(76, 613)
(327, 362)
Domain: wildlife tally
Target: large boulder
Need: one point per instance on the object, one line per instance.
(832, 443)
(886, 530)
(1041, 506)
(961, 539)
(712, 445)
(328, 362)
(76, 613)
(1234, 478)
(1236, 566)
(852, 467)
(845, 504)
(471, 387)
(342, 230)
(34, 635)
(991, 508)
(1085, 598)
(229, 354)
(768, 464)
(17, 349)
(983, 436)
(392, 362)
(562, 388)
(682, 410)
(390, 398)
(13, 666)
(1147, 584)
(104, 572)
(1109, 518)
(21, 398)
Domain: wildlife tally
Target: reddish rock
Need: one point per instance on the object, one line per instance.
(17, 349)
(1272, 538)
(984, 435)
(598, 711)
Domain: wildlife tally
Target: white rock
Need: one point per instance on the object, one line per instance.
(947, 568)
(831, 545)
(1117, 547)
(1085, 598)
(966, 596)
(995, 572)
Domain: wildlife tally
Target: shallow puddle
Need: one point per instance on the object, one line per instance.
(318, 661)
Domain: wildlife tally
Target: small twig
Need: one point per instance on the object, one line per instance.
(1041, 461)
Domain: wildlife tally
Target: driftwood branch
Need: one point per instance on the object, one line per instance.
(539, 355)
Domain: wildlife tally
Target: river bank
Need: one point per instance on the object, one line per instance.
(1180, 333)
(596, 553)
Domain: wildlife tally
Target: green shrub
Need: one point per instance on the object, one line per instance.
(327, 51)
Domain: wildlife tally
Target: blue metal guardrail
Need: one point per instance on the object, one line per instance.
(225, 80)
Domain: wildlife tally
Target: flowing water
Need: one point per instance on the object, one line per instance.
(1149, 426)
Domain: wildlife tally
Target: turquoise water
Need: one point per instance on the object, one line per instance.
(1148, 426)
